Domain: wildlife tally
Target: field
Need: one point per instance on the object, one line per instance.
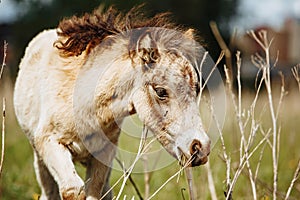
(242, 120)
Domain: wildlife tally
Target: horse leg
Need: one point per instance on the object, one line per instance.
(58, 161)
(97, 177)
(49, 188)
(107, 187)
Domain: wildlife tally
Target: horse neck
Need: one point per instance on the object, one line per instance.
(104, 88)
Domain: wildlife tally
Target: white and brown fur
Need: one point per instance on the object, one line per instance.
(76, 84)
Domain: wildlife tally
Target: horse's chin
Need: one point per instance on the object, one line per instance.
(198, 160)
(194, 160)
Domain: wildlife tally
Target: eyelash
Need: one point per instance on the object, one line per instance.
(161, 93)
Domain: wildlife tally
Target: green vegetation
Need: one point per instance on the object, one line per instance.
(18, 179)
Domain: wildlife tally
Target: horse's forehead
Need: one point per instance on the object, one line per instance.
(174, 69)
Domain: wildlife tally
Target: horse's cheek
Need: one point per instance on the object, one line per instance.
(139, 103)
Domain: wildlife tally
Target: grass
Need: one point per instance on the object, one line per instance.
(18, 179)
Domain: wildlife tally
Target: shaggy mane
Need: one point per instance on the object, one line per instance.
(78, 34)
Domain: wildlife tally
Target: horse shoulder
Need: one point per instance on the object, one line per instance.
(45, 83)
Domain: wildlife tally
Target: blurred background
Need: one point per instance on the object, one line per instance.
(21, 20)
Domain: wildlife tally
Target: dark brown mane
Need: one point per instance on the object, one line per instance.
(78, 34)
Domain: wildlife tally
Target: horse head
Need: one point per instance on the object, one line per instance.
(166, 90)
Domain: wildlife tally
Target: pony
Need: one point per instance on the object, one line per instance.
(76, 83)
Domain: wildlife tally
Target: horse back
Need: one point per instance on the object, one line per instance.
(43, 89)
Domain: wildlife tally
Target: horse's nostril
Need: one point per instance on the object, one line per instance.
(199, 153)
(195, 147)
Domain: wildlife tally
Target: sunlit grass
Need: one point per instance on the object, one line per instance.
(18, 179)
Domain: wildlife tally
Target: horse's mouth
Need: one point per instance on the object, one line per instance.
(198, 158)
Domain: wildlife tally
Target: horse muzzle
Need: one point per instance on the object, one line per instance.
(198, 154)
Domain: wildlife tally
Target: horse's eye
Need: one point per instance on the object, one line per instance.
(161, 93)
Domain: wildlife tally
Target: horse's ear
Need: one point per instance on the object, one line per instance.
(145, 42)
(189, 33)
(147, 50)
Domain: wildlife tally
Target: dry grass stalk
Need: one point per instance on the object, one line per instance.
(187, 164)
(295, 71)
(189, 177)
(143, 147)
(223, 46)
(259, 161)
(5, 45)
(201, 75)
(244, 119)
(138, 156)
(202, 85)
(283, 93)
(148, 174)
(245, 145)
(3, 109)
(211, 184)
(295, 177)
(265, 66)
(237, 107)
(225, 157)
(146, 178)
(130, 179)
(240, 168)
(2, 136)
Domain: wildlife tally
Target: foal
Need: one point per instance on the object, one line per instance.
(79, 81)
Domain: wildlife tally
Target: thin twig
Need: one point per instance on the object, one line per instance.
(3, 109)
(139, 153)
(227, 159)
(202, 85)
(130, 179)
(146, 177)
(201, 75)
(296, 176)
(282, 94)
(267, 189)
(2, 136)
(5, 45)
(244, 144)
(295, 71)
(225, 155)
(259, 161)
(211, 184)
(142, 149)
(213, 69)
(261, 39)
(189, 177)
(241, 167)
(239, 107)
(223, 46)
(173, 176)
(244, 157)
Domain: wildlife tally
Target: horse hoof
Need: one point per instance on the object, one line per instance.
(73, 194)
